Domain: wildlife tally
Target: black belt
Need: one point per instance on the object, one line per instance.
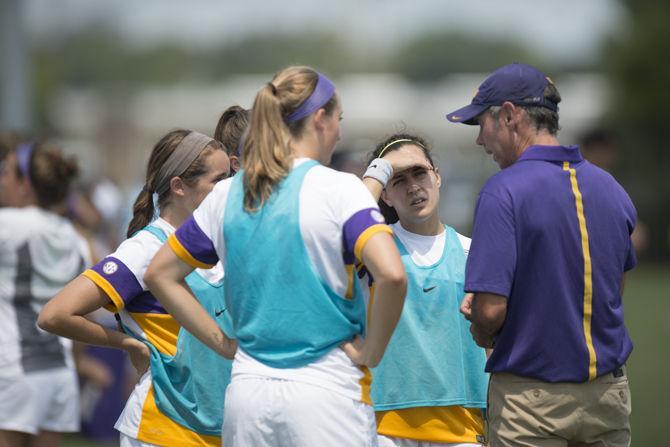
(619, 372)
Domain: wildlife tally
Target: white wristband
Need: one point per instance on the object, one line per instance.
(380, 170)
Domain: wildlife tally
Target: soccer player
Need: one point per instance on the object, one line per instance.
(179, 399)
(230, 130)
(430, 387)
(40, 252)
(289, 231)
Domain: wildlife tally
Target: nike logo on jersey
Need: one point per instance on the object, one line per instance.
(373, 166)
(219, 312)
(428, 289)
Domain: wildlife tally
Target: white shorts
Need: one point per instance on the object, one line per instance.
(387, 441)
(267, 412)
(127, 441)
(40, 401)
(131, 416)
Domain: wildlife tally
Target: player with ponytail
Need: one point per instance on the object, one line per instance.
(179, 399)
(290, 232)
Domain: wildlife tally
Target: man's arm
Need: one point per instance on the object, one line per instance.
(487, 313)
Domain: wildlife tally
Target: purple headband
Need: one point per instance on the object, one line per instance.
(322, 93)
(24, 152)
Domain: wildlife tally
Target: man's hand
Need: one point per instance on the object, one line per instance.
(482, 339)
(466, 306)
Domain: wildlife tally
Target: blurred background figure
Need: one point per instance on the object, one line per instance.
(599, 146)
(106, 377)
(40, 252)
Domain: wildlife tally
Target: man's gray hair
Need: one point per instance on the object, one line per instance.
(540, 117)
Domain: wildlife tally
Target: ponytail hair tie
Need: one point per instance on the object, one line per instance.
(273, 88)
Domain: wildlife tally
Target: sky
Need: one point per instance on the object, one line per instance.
(569, 31)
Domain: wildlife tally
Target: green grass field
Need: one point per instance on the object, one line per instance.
(647, 310)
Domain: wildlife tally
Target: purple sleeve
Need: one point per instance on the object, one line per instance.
(492, 259)
(195, 244)
(116, 279)
(631, 259)
(358, 228)
(631, 221)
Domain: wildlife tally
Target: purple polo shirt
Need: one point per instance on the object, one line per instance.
(552, 234)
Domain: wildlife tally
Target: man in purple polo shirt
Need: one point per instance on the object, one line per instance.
(550, 245)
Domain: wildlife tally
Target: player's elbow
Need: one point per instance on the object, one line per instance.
(49, 319)
(394, 278)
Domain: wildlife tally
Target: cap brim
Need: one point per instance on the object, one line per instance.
(467, 114)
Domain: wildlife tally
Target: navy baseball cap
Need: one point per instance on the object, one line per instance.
(517, 83)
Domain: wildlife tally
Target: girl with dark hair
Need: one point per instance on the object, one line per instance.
(39, 253)
(230, 131)
(290, 231)
(430, 387)
(178, 400)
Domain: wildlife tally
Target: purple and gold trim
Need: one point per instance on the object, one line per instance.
(356, 226)
(116, 280)
(183, 254)
(116, 301)
(193, 246)
(367, 234)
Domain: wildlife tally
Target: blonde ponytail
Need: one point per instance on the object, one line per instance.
(278, 116)
(266, 155)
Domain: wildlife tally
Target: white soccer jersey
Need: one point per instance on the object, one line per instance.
(40, 252)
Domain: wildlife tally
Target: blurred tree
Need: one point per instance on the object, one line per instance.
(640, 69)
(100, 58)
(430, 57)
(267, 53)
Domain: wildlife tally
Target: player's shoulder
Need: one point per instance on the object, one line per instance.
(140, 246)
(27, 223)
(223, 186)
(218, 196)
(328, 173)
(465, 242)
(334, 183)
(19, 218)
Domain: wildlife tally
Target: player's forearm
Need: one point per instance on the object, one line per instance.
(64, 315)
(176, 297)
(386, 308)
(374, 186)
(80, 328)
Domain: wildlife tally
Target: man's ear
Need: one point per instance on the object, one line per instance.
(508, 113)
(439, 177)
(177, 186)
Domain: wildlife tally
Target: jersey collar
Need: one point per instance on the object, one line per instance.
(552, 153)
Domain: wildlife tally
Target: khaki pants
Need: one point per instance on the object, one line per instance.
(533, 413)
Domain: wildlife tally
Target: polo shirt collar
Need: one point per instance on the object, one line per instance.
(552, 153)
